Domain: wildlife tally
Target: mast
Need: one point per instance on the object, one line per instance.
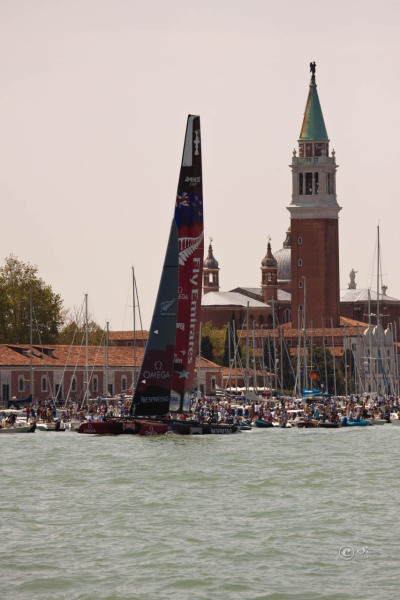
(199, 364)
(87, 350)
(254, 359)
(273, 325)
(134, 332)
(31, 382)
(247, 350)
(305, 335)
(325, 366)
(334, 359)
(298, 374)
(378, 386)
(106, 373)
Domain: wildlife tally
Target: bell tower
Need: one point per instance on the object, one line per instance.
(210, 272)
(269, 276)
(314, 214)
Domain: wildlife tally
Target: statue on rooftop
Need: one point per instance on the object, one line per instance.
(313, 66)
(352, 284)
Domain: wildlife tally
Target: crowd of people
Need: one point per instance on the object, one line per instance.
(231, 409)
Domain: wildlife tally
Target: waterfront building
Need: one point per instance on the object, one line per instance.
(60, 372)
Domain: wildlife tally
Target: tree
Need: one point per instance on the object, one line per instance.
(217, 339)
(74, 330)
(17, 281)
(207, 350)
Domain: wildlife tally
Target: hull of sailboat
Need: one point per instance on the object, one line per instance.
(109, 427)
(195, 428)
(124, 426)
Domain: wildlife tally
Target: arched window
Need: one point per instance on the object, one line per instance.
(300, 241)
(73, 384)
(300, 284)
(21, 383)
(123, 383)
(300, 262)
(95, 384)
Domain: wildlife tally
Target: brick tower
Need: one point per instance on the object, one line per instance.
(269, 276)
(314, 214)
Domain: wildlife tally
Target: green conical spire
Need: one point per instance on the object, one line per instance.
(313, 127)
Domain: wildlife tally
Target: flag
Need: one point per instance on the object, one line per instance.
(314, 376)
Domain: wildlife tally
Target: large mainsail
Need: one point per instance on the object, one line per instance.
(189, 223)
(170, 354)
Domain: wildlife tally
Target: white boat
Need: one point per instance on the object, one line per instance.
(11, 424)
(52, 426)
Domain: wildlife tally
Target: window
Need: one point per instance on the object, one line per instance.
(300, 307)
(21, 382)
(329, 183)
(73, 384)
(44, 383)
(300, 284)
(300, 262)
(289, 342)
(325, 342)
(269, 277)
(309, 182)
(316, 181)
(300, 241)
(123, 383)
(213, 383)
(95, 384)
(301, 184)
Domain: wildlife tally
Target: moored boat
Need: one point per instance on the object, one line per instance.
(263, 423)
(12, 424)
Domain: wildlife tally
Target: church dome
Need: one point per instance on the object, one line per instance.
(283, 258)
(209, 261)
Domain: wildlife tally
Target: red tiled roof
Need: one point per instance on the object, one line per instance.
(60, 356)
(114, 336)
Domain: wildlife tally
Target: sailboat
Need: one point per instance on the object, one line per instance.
(166, 379)
(167, 372)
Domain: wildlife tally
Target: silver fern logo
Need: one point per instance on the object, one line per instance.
(166, 305)
(187, 246)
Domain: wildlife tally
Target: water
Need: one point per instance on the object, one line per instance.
(278, 514)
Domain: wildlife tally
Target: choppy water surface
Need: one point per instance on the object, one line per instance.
(277, 514)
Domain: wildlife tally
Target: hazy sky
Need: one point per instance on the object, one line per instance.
(94, 100)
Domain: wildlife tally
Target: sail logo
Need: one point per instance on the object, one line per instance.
(196, 142)
(164, 306)
(187, 246)
(148, 399)
(195, 296)
(192, 180)
(158, 372)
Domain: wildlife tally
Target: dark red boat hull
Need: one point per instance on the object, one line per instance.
(124, 427)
